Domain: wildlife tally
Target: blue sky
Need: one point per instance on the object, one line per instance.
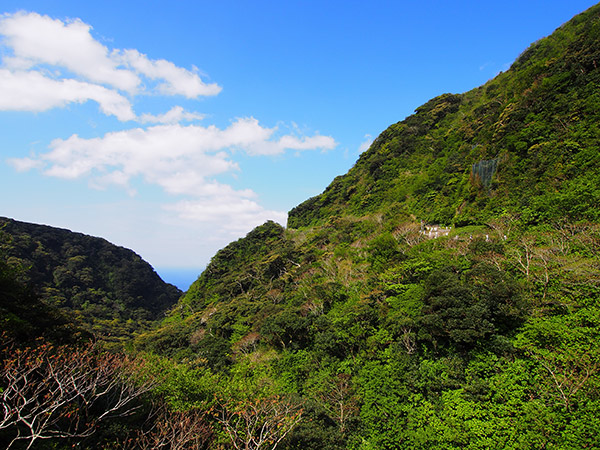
(173, 128)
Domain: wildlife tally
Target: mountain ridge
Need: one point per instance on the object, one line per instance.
(423, 169)
(106, 287)
(443, 294)
(495, 121)
(406, 303)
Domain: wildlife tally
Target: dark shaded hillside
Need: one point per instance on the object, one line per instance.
(24, 318)
(109, 289)
(536, 125)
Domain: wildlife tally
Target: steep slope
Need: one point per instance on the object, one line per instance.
(109, 289)
(443, 293)
(521, 149)
(534, 127)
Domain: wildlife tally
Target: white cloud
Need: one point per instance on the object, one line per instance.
(157, 153)
(117, 178)
(36, 39)
(175, 115)
(48, 63)
(182, 160)
(24, 164)
(230, 213)
(234, 213)
(307, 143)
(32, 91)
(248, 135)
(176, 80)
(178, 158)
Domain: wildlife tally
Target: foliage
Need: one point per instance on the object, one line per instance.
(24, 317)
(536, 124)
(171, 430)
(443, 294)
(110, 290)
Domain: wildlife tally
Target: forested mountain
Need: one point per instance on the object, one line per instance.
(444, 294)
(108, 289)
(523, 143)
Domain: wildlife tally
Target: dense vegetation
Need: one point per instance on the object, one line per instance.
(537, 122)
(443, 294)
(109, 290)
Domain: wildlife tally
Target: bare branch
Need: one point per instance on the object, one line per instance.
(59, 392)
(258, 424)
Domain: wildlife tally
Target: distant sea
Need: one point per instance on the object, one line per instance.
(182, 278)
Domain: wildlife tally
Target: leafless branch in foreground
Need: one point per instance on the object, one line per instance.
(63, 392)
(259, 424)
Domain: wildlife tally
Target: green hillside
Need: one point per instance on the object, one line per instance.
(534, 127)
(109, 290)
(444, 292)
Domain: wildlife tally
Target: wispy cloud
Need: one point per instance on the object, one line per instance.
(235, 212)
(175, 115)
(364, 146)
(173, 80)
(182, 160)
(176, 157)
